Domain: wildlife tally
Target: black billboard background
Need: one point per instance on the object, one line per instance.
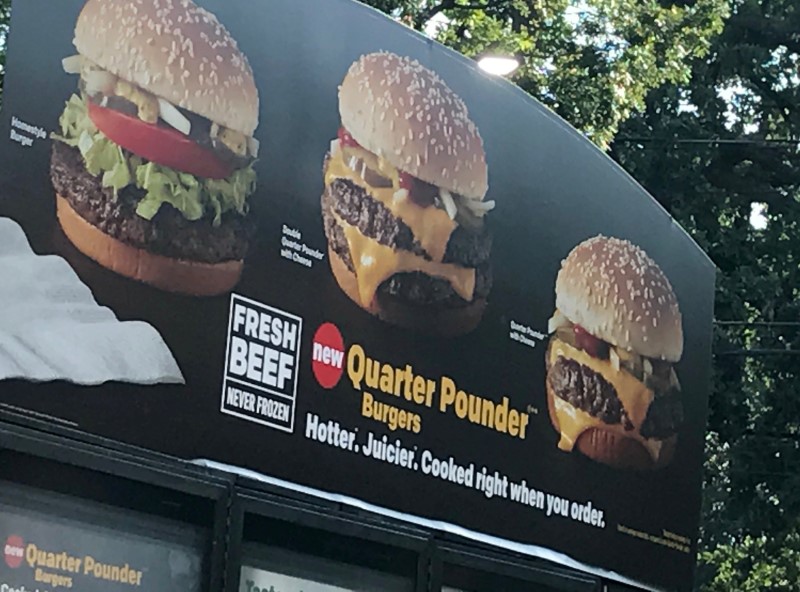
(164, 556)
(553, 189)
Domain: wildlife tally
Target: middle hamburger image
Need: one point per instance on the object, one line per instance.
(613, 394)
(153, 165)
(403, 205)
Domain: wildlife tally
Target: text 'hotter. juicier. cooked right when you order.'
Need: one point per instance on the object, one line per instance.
(612, 391)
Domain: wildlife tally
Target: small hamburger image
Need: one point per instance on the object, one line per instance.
(612, 391)
(403, 204)
(153, 165)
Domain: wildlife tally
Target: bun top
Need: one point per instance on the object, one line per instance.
(175, 50)
(612, 289)
(400, 110)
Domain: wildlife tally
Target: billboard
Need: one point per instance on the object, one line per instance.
(296, 237)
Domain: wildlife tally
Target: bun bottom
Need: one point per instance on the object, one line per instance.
(613, 449)
(181, 276)
(447, 322)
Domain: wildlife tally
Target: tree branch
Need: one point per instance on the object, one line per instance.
(430, 12)
(765, 32)
(777, 99)
(423, 17)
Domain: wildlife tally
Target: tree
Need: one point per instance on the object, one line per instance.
(757, 563)
(592, 62)
(5, 19)
(712, 151)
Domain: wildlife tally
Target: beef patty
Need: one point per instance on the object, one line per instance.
(588, 391)
(664, 417)
(582, 387)
(466, 247)
(168, 233)
(355, 206)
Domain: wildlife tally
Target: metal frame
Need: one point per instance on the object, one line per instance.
(236, 499)
(111, 460)
(334, 519)
(484, 559)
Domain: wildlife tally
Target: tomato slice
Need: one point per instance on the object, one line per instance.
(158, 144)
(345, 139)
(597, 348)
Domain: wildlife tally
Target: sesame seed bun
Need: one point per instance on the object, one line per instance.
(614, 449)
(174, 50)
(166, 273)
(400, 110)
(611, 288)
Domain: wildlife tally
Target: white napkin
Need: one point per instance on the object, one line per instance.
(51, 328)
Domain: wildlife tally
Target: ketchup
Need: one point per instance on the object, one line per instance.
(597, 348)
(407, 182)
(346, 139)
(421, 193)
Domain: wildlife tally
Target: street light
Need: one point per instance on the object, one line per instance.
(498, 65)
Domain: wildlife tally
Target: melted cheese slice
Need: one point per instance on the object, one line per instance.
(430, 225)
(375, 263)
(634, 395)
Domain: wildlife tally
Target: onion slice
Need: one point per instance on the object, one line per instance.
(673, 379)
(253, 145)
(400, 195)
(557, 321)
(479, 208)
(449, 203)
(614, 358)
(170, 114)
(72, 64)
(100, 82)
(482, 206)
(647, 368)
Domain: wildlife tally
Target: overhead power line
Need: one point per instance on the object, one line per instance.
(759, 323)
(709, 141)
(758, 352)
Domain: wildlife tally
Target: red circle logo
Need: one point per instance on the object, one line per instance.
(327, 357)
(14, 551)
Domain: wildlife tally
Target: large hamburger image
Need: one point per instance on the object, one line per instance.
(153, 165)
(612, 391)
(403, 204)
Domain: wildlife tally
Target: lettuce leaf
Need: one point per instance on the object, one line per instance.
(192, 196)
(229, 194)
(74, 122)
(162, 185)
(119, 175)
